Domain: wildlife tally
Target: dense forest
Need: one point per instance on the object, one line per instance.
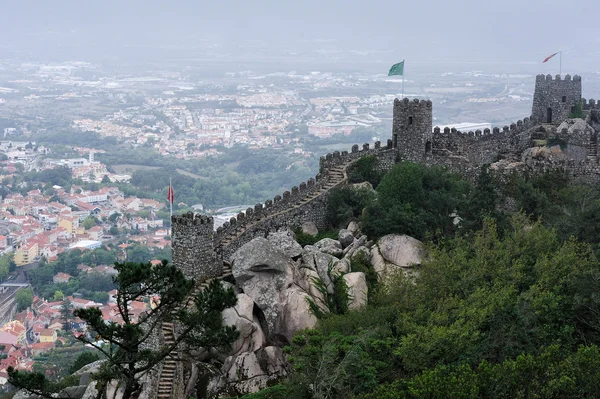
(505, 306)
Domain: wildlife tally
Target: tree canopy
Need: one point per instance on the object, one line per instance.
(128, 346)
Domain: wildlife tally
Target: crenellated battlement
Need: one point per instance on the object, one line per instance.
(414, 104)
(303, 202)
(192, 244)
(199, 251)
(590, 104)
(554, 98)
(481, 146)
(557, 78)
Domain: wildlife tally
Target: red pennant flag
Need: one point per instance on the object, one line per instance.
(550, 56)
(171, 194)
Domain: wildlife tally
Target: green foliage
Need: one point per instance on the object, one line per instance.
(551, 142)
(24, 298)
(576, 112)
(84, 358)
(346, 203)
(365, 170)
(36, 382)
(361, 262)
(488, 315)
(91, 285)
(7, 263)
(90, 222)
(59, 176)
(333, 366)
(66, 313)
(550, 374)
(306, 239)
(274, 392)
(415, 200)
(223, 180)
(128, 355)
(336, 302)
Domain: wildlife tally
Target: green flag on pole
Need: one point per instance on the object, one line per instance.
(397, 69)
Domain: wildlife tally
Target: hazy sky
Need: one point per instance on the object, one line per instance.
(434, 30)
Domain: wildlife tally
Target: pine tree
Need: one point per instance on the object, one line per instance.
(66, 313)
(127, 346)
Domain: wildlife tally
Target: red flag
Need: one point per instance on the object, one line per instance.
(550, 56)
(170, 194)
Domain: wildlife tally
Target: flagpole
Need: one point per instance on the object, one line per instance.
(171, 206)
(403, 79)
(560, 70)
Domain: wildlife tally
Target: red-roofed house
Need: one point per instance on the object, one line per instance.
(96, 233)
(61, 278)
(40, 347)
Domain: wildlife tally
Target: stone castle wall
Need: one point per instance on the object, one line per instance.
(482, 147)
(559, 95)
(411, 130)
(192, 245)
(293, 208)
(199, 251)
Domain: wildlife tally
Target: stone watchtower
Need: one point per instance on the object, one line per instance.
(192, 243)
(411, 131)
(554, 99)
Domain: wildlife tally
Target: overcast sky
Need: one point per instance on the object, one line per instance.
(434, 30)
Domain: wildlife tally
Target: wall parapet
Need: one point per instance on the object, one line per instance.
(566, 78)
(192, 245)
(331, 174)
(481, 146)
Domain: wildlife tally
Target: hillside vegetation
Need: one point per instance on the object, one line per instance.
(506, 306)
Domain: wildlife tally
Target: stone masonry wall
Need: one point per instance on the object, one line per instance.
(482, 147)
(199, 251)
(287, 210)
(192, 244)
(411, 130)
(557, 94)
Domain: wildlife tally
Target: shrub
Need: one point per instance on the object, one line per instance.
(576, 112)
(347, 203)
(365, 169)
(306, 239)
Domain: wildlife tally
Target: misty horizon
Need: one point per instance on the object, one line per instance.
(378, 32)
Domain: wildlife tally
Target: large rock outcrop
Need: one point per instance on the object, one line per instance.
(396, 252)
(358, 290)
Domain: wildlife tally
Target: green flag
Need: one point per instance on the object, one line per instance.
(397, 69)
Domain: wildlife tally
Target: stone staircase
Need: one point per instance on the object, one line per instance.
(335, 176)
(592, 154)
(168, 373)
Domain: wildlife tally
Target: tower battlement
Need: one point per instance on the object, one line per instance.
(555, 98)
(199, 251)
(192, 244)
(411, 133)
